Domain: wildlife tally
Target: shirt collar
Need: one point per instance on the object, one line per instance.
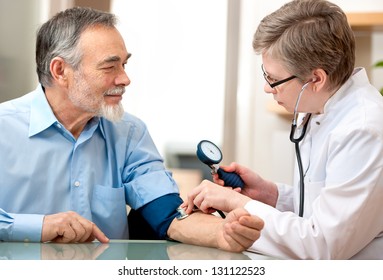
(42, 116)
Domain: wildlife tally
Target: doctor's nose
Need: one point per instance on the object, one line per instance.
(268, 89)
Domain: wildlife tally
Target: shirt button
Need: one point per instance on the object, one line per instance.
(26, 240)
(77, 184)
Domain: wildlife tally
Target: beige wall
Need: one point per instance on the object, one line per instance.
(18, 23)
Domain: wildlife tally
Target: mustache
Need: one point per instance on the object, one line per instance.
(115, 91)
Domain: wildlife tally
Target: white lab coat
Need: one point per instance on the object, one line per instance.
(342, 156)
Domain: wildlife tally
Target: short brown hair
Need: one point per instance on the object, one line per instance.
(306, 35)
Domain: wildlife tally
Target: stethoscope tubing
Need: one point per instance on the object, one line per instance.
(296, 142)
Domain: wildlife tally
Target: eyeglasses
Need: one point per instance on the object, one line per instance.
(275, 83)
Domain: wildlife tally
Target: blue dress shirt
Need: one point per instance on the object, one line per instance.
(45, 170)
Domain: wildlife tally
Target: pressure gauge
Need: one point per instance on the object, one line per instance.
(211, 155)
(208, 153)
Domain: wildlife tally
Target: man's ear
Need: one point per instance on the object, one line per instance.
(59, 70)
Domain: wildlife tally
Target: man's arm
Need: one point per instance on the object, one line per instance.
(20, 227)
(236, 233)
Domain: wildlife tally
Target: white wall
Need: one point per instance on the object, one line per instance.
(177, 67)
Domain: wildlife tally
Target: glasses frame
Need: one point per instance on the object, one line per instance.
(277, 83)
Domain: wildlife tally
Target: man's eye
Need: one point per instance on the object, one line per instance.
(108, 69)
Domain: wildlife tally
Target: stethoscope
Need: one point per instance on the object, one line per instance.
(211, 155)
(296, 142)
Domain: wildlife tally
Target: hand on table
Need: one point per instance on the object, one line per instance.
(70, 227)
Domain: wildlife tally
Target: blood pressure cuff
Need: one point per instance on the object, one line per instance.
(159, 213)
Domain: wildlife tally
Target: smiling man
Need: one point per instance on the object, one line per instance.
(72, 159)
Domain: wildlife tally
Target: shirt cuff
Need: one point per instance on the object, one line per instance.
(27, 227)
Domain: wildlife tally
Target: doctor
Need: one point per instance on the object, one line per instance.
(308, 53)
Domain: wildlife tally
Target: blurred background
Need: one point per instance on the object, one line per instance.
(194, 74)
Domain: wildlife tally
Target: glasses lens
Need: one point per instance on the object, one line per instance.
(273, 83)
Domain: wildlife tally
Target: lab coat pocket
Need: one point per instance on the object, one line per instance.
(109, 211)
(313, 189)
(312, 192)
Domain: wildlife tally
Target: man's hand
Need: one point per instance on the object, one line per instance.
(70, 227)
(239, 231)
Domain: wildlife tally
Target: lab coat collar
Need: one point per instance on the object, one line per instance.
(359, 76)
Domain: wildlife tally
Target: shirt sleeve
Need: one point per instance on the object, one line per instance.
(144, 176)
(20, 227)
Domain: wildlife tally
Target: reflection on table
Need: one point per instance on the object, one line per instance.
(117, 250)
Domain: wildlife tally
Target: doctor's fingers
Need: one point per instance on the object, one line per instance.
(242, 228)
(240, 236)
(217, 180)
(252, 221)
(191, 197)
(214, 196)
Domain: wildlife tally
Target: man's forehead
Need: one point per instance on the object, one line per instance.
(115, 58)
(106, 43)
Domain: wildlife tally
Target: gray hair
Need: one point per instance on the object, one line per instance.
(59, 37)
(309, 34)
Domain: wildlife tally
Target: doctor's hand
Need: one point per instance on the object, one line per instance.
(209, 197)
(70, 227)
(255, 187)
(239, 230)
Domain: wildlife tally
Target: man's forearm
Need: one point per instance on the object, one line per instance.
(197, 229)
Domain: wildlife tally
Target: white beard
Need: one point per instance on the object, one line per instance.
(112, 113)
(85, 99)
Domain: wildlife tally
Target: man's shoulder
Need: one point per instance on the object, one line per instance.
(17, 105)
(128, 122)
